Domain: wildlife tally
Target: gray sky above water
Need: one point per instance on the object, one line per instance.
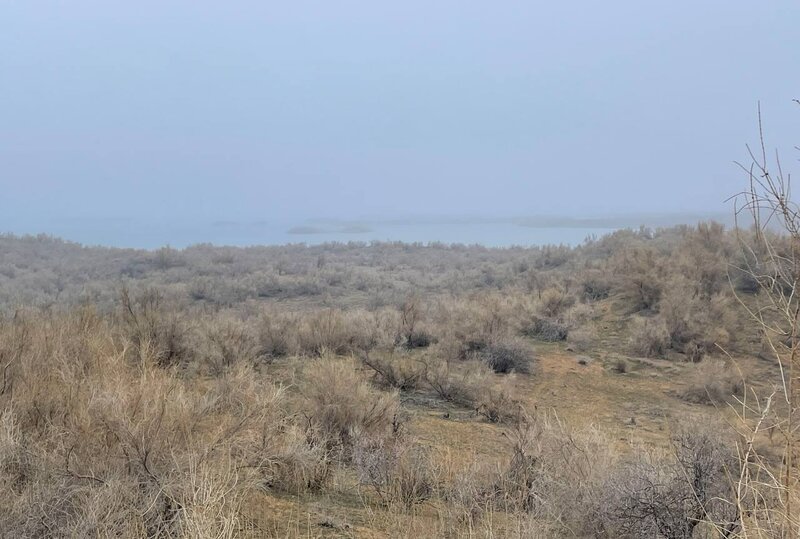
(258, 110)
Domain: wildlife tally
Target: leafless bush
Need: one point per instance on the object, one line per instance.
(157, 334)
(583, 339)
(554, 301)
(649, 337)
(546, 329)
(223, 342)
(507, 355)
(336, 332)
(498, 404)
(395, 370)
(461, 383)
(398, 470)
(673, 495)
(713, 381)
(343, 404)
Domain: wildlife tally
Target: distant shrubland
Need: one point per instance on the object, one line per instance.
(217, 392)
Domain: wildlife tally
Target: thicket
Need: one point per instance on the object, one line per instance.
(156, 393)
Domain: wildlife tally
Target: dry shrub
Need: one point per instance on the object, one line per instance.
(343, 405)
(506, 355)
(583, 339)
(277, 334)
(497, 402)
(712, 381)
(398, 470)
(677, 495)
(697, 324)
(303, 462)
(546, 330)
(639, 276)
(223, 341)
(336, 332)
(157, 334)
(397, 371)
(554, 302)
(461, 383)
(649, 337)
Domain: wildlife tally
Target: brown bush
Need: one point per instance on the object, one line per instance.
(674, 495)
(399, 471)
(497, 402)
(712, 381)
(342, 403)
(507, 355)
(157, 334)
(461, 383)
(397, 371)
(698, 325)
(649, 337)
(554, 302)
(546, 330)
(222, 342)
(584, 339)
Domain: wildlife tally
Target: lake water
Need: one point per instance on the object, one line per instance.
(120, 233)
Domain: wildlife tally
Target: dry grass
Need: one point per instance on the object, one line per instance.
(307, 398)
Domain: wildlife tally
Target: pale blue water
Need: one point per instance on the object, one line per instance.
(121, 233)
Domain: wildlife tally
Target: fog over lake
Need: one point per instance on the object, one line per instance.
(495, 232)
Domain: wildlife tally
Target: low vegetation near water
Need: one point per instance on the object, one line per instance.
(386, 389)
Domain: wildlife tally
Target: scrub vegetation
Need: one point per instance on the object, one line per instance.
(638, 385)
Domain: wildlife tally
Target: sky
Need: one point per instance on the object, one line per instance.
(248, 110)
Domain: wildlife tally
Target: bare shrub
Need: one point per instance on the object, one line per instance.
(554, 301)
(303, 463)
(546, 329)
(277, 334)
(507, 355)
(712, 381)
(223, 342)
(649, 337)
(157, 334)
(337, 332)
(396, 371)
(397, 470)
(343, 404)
(671, 496)
(461, 383)
(498, 403)
(583, 339)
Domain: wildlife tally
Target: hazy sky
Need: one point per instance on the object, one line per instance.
(258, 110)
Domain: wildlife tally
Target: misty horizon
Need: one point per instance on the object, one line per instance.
(191, 114)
